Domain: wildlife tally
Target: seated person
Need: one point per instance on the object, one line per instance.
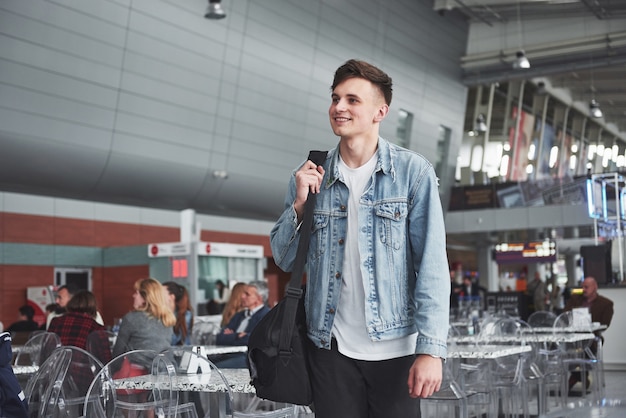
(78, 322)
(12, 400)
(63, 296)
(237, 332)
(51, 312)
(178, 299)
(600, 308)
(24, 321)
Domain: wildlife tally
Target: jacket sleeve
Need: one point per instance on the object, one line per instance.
(427, 238)
(285, 233)
(230, 339)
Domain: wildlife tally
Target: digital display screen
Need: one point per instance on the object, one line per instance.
(526, 252)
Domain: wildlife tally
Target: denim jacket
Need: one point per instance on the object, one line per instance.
(402, 243)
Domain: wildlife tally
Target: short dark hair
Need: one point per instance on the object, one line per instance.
(361, 69)
(28, 311)
(83, 301)
(71, 288)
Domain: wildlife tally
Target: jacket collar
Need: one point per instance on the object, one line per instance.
(386, 155)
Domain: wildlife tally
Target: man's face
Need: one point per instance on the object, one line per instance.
(356, 105)
(63, 296)
(589, 288)
(250, 298)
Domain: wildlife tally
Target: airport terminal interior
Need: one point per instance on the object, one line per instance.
(152, 138)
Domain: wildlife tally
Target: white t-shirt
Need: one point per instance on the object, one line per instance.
(349, 328)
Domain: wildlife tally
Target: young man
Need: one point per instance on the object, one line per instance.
(378, 286)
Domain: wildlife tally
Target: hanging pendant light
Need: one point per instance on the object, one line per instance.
(521, 61)
(594, 109)
(481, 124)
(214, 10)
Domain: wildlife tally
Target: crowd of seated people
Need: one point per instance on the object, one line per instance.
(161, 317)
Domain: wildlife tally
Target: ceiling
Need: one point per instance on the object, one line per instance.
(587, 67)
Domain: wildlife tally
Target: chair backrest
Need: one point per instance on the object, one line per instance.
(565, 321)
(514, 331)
(45, 383)
(204, 333)
(139, 380)
(541, 319)
(37, 349)
(100, 344)
(194, 370)
(72, 382)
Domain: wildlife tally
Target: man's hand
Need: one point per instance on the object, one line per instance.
(308, 180)
(425, 376)
(228, 331)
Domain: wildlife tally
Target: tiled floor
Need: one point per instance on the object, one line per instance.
(615, 384)
(615, 389)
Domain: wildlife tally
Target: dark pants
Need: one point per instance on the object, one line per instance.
(347, 388)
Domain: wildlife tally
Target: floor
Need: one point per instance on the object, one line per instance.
(615, 384)
(615, 389)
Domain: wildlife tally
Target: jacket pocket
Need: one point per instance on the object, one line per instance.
(391, 219)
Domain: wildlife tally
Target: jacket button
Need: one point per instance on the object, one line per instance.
(342, 207)
(340, 241)
(331, 311)
(337, 275)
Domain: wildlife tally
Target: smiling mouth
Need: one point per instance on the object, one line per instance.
(341, 119)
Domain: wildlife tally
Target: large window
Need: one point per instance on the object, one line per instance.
(405, 124)
(443, 148)
(227, 269)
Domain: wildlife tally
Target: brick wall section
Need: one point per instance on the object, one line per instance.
(113, 286)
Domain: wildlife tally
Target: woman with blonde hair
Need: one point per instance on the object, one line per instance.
(149, 326)
(234, 303)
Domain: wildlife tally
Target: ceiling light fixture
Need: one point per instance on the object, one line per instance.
(481, 123)
(594, 109)
(594, 106)
(521, 61)
(214, 10)
(220, 174)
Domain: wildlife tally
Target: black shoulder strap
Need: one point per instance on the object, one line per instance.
(294, 288)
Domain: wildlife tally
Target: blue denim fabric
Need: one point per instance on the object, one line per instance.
(402, 244)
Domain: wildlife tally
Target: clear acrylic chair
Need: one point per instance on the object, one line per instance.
(37, 349)
(133, 384)
(541, 319)
(459, 395)
(198, 373)
(75, 372)
(510, 375)
(100, 344)
(462, 393)
(199, 383)
(204, 333)
(583, 358)
(40, 386)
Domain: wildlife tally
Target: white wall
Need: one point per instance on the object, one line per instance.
(138, 101)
